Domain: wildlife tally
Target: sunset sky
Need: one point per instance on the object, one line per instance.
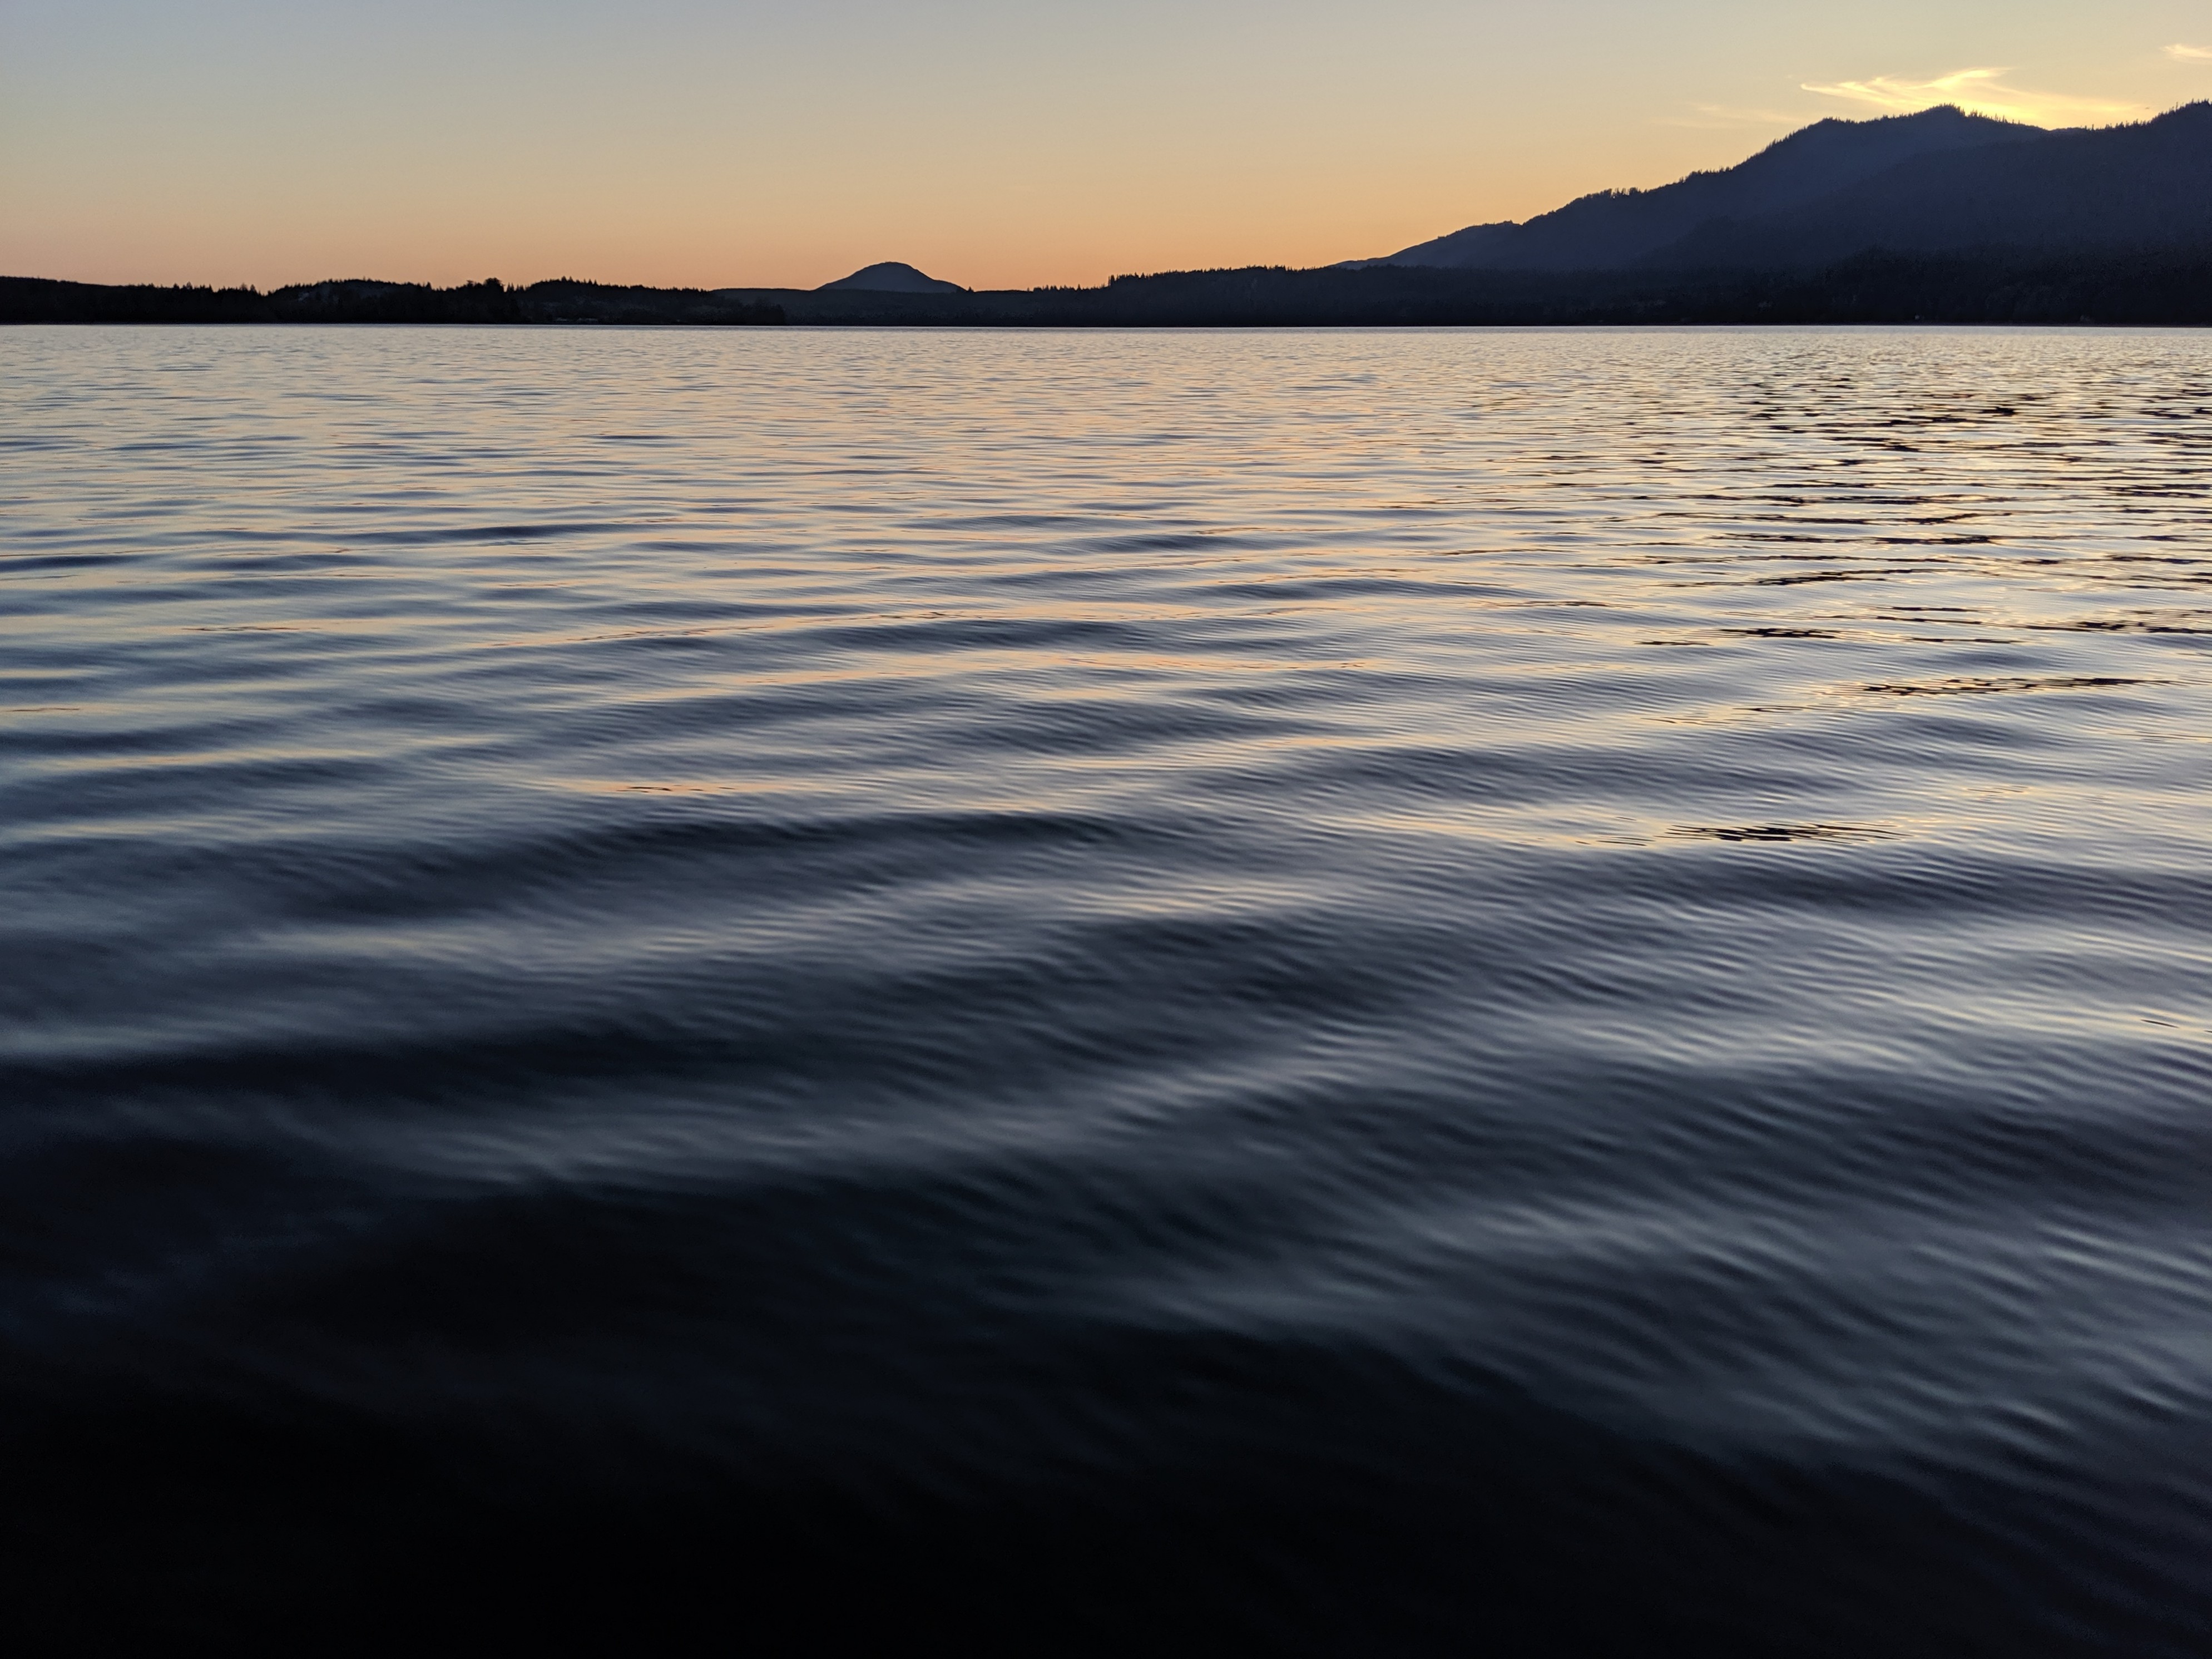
(719, 142)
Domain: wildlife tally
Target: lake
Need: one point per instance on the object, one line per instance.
(1347, 992)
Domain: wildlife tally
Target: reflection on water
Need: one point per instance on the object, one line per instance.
(1355, 989)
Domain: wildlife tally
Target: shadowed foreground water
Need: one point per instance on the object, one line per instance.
(1339, 993)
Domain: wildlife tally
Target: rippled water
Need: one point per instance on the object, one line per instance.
(1335, 992)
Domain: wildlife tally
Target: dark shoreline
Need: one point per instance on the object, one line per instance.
(2163, 288)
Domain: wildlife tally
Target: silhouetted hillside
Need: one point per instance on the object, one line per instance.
(1939, 182)
(890, 277)
(2143, 186)
(1615, 228)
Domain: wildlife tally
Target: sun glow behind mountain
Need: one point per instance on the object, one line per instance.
(683, 143)
(1981, 92)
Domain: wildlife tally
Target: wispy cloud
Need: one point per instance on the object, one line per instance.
(2182, 54)
(1981, 92)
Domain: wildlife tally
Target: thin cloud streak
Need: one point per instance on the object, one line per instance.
(1981, 93)
(2182, 54)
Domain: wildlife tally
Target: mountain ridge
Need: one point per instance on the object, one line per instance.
(889, 277)
(2145, 185)
(1937, 180)
(1938, 217)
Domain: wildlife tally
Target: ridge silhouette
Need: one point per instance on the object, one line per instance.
(1940, 216)
(1935, 181)
(890, 276)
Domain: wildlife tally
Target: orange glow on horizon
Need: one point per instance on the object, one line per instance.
(680, 143)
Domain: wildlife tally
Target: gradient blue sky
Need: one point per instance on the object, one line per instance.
(994, 142)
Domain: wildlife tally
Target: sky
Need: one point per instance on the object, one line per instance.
(730, 142)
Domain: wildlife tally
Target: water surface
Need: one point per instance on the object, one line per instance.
(1341, 991)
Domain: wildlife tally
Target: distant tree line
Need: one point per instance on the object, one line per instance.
(2165, 287)
(32, 300)
(29, 300)
(2160, 287)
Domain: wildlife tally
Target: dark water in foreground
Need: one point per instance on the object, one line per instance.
(1315, 993)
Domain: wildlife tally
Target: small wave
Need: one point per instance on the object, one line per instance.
(1774, 832)
(1982, 687)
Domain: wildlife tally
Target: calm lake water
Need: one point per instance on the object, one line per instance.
(1333, 992)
